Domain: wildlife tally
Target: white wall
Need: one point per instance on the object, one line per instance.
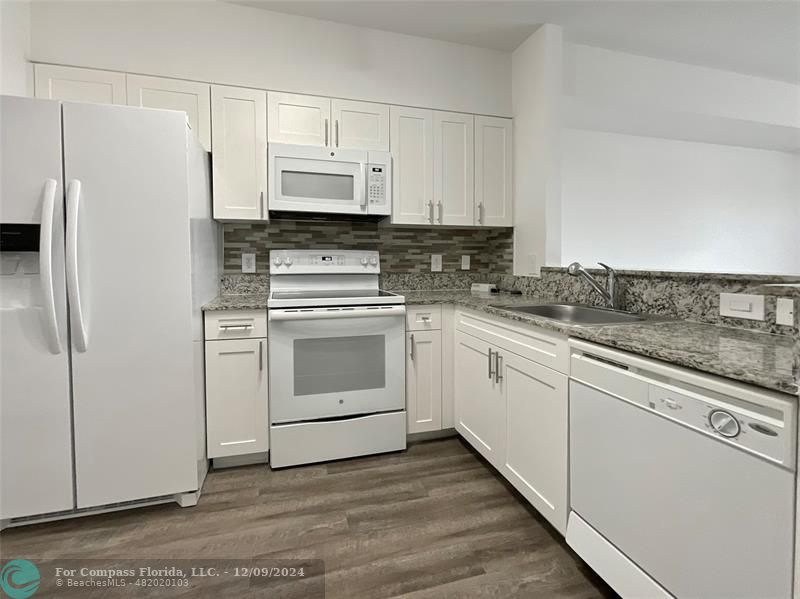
(536, 88)
(16, 74)
(640, 80)
(653, 203)
(239, 45)
(645, 203)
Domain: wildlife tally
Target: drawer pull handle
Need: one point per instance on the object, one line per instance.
(225, 327)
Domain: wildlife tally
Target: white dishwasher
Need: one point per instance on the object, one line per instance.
(681, 484)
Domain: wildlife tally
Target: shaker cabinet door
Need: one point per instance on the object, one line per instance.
(73, 84)
(236, 397)
(493, 145)
(424, 381)
(174, 94)
(412, 174)
(239, 153)
(298, 119)
(453, 168)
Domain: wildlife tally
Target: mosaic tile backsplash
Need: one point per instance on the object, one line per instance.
(403, 249)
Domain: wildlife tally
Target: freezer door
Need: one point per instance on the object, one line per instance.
(35, 419)
(129, 283)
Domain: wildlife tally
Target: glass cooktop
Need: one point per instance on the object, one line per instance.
(330, 294)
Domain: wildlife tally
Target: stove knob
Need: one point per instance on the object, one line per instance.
(277, 260)
(724, 423)
(288, 261)
(364, 261)
(373, 261)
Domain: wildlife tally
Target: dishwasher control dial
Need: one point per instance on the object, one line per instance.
(724, 423)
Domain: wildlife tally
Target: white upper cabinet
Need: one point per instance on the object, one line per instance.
(79, 85)
(360, 125)
(493, 199)
(411, 139)
(453, 168)
(174, 94)
(296, 119)
(239, 152)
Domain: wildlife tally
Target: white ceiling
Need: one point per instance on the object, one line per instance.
(759, 37)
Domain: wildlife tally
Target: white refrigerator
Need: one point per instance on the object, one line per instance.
(108, 251)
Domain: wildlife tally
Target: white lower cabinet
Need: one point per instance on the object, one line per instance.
(536, 435)
(424, 381)
(479, 406)
(513, 410)
(236, 396)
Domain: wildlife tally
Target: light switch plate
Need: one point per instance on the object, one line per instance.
(436, 263)
(464, 262)
(784, 313)
(741, 305)
(248, 263)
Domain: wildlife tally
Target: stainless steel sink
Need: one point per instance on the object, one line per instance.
(576, 314)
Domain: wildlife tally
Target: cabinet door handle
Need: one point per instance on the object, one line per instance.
(430, 212)
(337, 133)
(491, 374)
(498, 364)
(261, 203)
(261, 355)
(411, 353)
(480, 213)
(440, 212)
(326, 132)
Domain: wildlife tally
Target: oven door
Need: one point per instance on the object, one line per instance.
(334, 362)
(315, 179)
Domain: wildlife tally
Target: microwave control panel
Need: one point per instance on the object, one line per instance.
(376, 184)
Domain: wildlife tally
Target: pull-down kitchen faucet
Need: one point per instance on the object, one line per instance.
(609, 293)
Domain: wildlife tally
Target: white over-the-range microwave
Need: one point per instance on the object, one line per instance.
(329, 180)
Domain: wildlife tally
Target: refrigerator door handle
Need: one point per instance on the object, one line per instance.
(46, 265)
(73, 279)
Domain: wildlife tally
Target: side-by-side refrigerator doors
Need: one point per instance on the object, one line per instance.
(129, 282)
(35, 422)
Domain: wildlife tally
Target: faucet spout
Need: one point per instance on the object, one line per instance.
(608, 294)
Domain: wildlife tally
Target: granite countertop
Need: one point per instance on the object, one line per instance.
(255, 301)
(743, 355)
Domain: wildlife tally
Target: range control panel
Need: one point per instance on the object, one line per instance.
(324, 261)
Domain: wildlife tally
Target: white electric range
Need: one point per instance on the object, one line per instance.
(336, 358)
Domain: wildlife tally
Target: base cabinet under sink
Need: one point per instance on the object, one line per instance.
(514, 411)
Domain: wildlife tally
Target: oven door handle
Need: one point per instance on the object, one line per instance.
(322, 314)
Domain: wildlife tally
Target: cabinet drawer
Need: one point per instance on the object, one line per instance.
(423, 318)
(543, 347)
(236, 324)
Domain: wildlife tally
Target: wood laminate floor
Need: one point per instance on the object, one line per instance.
(432, 522)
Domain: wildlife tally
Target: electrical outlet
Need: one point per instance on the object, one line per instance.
(464, 262)
(436, 263)
(248, 263)
(533, 264)
(784, 313)
(741, 305)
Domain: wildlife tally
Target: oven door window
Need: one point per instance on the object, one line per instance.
(339, 364)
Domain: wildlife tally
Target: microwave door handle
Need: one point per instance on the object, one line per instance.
(364, 185)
